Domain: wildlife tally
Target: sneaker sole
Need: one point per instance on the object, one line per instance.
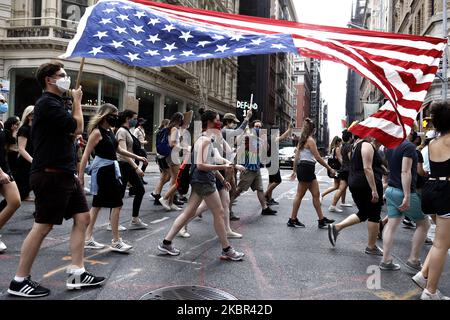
(137, 228)
(121, 250)
(20, 294)
(234, 237)
(389, 269)
(373, 254)
(70, 286)
(94, 248)
(419, 284)
(330, 236)
(295, 226)
(225, 258)
(167, 251)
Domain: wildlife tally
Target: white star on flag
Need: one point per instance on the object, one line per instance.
(236, 37)
(123, 17)
(169, 58)
(109, 10)
(105, 21)
(101, 34)
(257, 42)
(132, 56)
(203, 43)
(169, 27)
(117, 44)
(153, 38)
(154, 21)
(136, 42)
(127, 7)
(186, 36)
(205, 55)
(187, 53)
(278, 46)
(218, 37)
(137, 29)
(94, 50)
(170, 47)
(152, 52)
(222, 48)
(120, 30)
(139, 14)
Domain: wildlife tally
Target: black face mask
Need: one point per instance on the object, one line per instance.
(112, 120)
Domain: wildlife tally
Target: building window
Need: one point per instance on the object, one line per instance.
(73, 10)
(171, 106)
(432, 7)
(37, 12)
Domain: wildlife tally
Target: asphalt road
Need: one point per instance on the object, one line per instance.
(280, 262)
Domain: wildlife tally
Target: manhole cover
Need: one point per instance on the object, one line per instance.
(187, 293)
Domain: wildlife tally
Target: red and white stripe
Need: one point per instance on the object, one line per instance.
(402, 66)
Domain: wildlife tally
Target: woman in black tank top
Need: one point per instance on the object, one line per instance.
(367, 191)
(105, 174)
(436, 201)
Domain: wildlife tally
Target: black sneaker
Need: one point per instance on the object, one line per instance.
(178, 202)
(144, 182)
(332, 234)
(407, 223)
(27, 288)
(324, 222)
(155, 196)
(268, 212)
(295, 223)
(272, 202)
(184, 199)
(157, 203)
(86, 279)
(234, 217)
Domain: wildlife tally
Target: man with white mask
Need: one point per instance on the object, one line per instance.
(58, 191)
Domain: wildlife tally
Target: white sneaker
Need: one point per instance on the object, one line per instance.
(165, 204)
(2, 246)
(91, 244)
(138, 224)
(320, 199)
(427, 295)
(335, 209)
(175, 207)
(234, 235)
(121, 227)
(120, 246)
(346, 205)
(420, 280)
(183, 233)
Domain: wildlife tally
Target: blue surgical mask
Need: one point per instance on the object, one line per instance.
(133, 123)
(3, 107)
(256, 130)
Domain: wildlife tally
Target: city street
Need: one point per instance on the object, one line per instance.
(280, 262)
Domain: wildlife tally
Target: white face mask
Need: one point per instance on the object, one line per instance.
(63, 84)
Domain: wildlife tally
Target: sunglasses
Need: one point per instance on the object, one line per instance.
(2, 101)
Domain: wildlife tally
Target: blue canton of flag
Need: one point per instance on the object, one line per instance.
(137, 35)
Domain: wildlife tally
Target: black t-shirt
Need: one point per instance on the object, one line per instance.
(395, 159)
(52, 134)
(25, 131)
(357, 177)
(420, 180)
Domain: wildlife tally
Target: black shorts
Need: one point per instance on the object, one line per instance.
(436, 198)
(58, 196)
(306, 171)
(343, 175)
(275, 178)
(162, 163)
(363, 200)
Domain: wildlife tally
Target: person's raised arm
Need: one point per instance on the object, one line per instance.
(77, 113)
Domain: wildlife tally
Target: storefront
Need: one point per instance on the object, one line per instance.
(97, 89)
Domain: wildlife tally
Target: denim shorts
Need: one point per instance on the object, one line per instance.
(394, 198)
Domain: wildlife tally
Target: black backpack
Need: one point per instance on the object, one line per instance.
(136, 143)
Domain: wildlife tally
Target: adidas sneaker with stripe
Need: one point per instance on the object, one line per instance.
(27, 288)
(86, 279)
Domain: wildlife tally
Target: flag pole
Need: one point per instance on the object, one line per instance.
(80, 72)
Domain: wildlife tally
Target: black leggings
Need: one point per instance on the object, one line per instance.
(130, 175)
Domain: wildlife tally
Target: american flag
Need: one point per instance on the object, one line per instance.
(145, 33)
